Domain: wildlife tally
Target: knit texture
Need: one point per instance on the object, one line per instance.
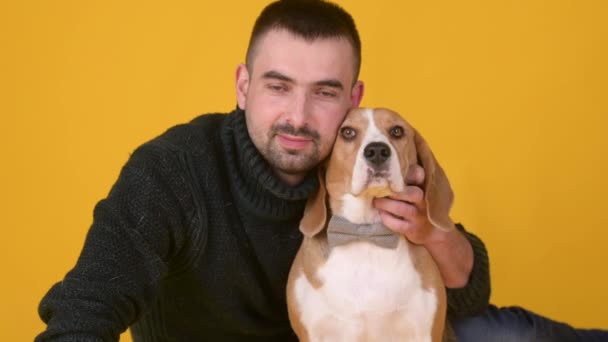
(474, 298)
(194, 242)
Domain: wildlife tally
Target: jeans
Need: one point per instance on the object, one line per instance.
(515, 324)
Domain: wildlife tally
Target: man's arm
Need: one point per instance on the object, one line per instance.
(460, 256)
(135, 230)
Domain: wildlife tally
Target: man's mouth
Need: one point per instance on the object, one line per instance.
(293, 142)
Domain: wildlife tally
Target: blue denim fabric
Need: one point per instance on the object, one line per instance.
(515, 324)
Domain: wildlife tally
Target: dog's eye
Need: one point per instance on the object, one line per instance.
(348, 133)
(396, 132)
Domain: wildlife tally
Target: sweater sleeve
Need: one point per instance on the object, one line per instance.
(134, 234)
(475, 296)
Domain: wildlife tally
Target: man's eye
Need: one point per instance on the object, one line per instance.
(277, 87)
(348, 133)
(396, 132)
(326, 93)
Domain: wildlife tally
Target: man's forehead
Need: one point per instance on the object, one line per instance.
(283, 53)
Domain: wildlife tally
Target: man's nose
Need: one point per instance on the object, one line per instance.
(299, 111)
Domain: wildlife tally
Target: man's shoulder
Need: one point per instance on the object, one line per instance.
(194, 137)
(209, 120)
(201, 125)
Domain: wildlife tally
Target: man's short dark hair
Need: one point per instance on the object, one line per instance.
(308, 19)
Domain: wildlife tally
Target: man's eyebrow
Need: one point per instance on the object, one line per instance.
(273, 74)
(277, 76)
(330, 83)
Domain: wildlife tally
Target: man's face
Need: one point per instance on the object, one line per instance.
(295, 96)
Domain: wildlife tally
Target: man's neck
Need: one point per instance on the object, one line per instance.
(291, 179)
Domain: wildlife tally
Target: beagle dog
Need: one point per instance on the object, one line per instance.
(353, 279)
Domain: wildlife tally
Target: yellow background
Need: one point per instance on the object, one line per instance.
(512, 96)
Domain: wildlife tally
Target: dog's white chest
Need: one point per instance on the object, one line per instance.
(368, 290)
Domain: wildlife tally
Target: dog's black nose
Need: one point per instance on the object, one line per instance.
(377, 152)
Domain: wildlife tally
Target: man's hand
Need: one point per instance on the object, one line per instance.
(406, 213)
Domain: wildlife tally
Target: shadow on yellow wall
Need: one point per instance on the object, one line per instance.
(512, 97)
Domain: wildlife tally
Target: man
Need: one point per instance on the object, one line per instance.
(196, 238)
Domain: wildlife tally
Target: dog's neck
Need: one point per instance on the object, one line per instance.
(340, 231)
(356, 209)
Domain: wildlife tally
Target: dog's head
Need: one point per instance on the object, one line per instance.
(371, 156)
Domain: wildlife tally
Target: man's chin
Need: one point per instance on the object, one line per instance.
(294, 168)
(292, 161)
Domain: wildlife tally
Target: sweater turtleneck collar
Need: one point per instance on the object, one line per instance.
(254, 185)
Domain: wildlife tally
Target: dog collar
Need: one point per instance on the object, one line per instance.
(341, 231)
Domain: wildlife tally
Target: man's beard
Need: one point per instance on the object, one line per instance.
(292, 161)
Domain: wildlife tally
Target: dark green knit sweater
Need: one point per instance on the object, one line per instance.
(194, 243)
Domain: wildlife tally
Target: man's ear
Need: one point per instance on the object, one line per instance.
(242, 85)
(356, 94)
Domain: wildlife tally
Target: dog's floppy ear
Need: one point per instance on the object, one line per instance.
(437, 190)
(315, 212)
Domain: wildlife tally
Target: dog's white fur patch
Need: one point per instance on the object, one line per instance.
(357, 210)
(346, 302)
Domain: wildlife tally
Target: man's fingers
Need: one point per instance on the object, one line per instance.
(411, 194)
(395, 224)
(415, 175)
(414, 194)
(396, 208)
